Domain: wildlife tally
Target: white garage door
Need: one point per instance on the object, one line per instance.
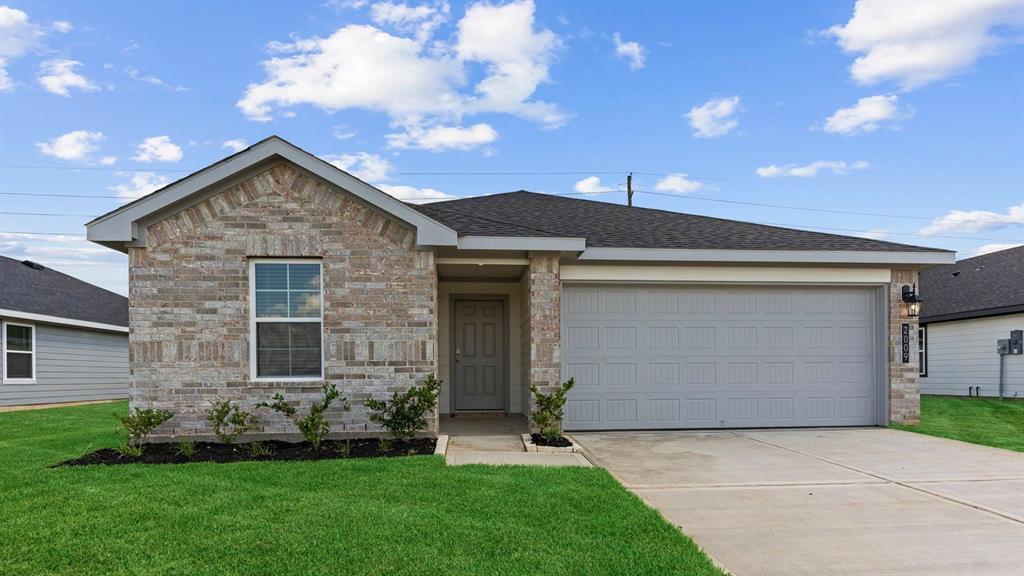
(720, 356)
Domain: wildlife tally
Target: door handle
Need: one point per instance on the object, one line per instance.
(458, 355)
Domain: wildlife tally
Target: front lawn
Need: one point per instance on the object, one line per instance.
(988, 421)
(373, 516)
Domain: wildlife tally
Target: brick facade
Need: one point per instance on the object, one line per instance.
(543, 303)
(190, 309)
(904, 390)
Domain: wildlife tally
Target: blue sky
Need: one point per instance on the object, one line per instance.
(913, 112)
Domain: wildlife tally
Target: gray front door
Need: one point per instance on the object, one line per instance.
(479, 355)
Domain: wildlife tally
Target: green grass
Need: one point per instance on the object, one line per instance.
(987, 421)
(375, 516)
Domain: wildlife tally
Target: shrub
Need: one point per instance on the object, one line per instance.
(550, 410)
(345, 448)
(406, 412)
(186, 448)
(141, 422)
(314, 426)
(229, 422)
(384, 445)
(258, 449)
(127, 449)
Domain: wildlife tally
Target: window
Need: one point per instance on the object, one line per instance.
(287, 320)
(922, 351)
(19, 352)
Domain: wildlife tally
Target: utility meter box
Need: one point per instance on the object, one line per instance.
(1003, 346)
(1016, 341)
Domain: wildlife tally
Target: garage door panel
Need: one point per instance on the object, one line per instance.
(747, 357)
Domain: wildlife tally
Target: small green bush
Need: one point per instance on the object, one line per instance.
(229, 421)
(384, 445)
(405, 413)
(345, 448)
(186, 448)
(314, 426)
(258, 449)
(128, 450)
(141, 422)
(550, 410)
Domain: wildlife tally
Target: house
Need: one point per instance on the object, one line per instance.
(61, 339)
(967, 308)
(273, 271)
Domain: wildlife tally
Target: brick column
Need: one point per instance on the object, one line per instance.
(904, 390)
(544, 302)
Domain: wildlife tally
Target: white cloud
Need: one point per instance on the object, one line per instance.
(134, 74)
(157, 149)
(592, 185)
(343, 132)
(18, 32)
(866, 115)
(974, 221)
(415, 195)
(59, 76)
(363, 165)
(140, 184)
(414, 80)
(235, 145)
(437, 138)
(874, 234)
(810, 170)
(631, 51)
(421, 20)
(77, 145)
(6, 82)
(108, 160)
(915, 43)
(679, 183)
(990, 248)
(62, 26)
(714, 118)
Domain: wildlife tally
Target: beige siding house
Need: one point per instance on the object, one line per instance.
(273, 271)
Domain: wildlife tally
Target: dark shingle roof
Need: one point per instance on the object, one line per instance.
(616, 226)
(53, 293)
(975, 287)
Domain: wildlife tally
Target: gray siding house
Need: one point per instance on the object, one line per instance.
(273, 271)
(967, 307)
(61, 339)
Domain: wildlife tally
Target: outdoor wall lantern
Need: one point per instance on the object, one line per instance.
(911, 300)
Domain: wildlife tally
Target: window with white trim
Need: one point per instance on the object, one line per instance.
(922, 351)
(287, 319)
(19, 352)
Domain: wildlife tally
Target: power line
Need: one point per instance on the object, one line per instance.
(92, 168)
(48, 214)
(43, 233)
(48, 195)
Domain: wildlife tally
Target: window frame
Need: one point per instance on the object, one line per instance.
(253, 321)
(922, 351)
(7, 379)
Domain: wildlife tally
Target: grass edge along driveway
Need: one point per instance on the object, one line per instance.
(373, 516)
(986, 421)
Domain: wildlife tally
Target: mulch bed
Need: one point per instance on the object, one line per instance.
(540, 440)
(168, 453)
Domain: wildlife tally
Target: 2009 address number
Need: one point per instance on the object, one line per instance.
(905, 333)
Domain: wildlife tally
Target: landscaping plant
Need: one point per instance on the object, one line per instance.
(186, 448)
(314, 426)
(229, 421)
(140, 423)
(550, 410)
(259, 449)
(406, 412)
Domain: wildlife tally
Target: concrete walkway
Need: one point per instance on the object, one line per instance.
(503, 450)
(811, 502)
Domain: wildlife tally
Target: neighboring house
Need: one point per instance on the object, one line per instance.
(273, 271)
(967, 308)
(61, 339)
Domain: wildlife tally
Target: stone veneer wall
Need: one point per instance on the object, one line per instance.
(189, 301)
(544, 305)
(904, 390)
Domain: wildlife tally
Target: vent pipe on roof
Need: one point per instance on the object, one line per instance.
(33, 265)
(629, 189)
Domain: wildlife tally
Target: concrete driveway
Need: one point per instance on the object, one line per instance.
(835, 501)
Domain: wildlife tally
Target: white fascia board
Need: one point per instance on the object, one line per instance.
(757, 256)
(117, 226)
(47, 319)
(682, 273)
(535, 243)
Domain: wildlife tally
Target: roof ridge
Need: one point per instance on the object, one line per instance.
(499, 221)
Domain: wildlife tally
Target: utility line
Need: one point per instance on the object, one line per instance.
(47, 214)
(94, 168)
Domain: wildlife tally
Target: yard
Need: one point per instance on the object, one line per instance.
(987, 421)
(374, 516)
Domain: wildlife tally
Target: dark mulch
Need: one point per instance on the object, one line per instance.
(561, 442)
(169, 453)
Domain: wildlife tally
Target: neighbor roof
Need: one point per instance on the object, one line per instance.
(606, 225)
(28, 291)
(985, 285)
